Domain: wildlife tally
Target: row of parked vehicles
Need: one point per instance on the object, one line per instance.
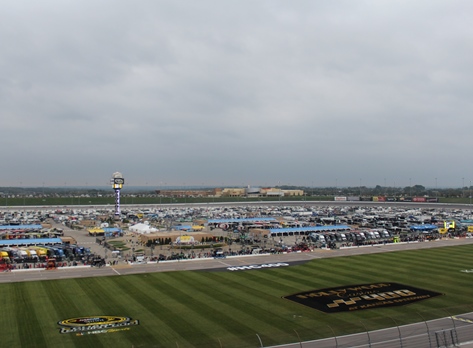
(35, 253)
(354, 236)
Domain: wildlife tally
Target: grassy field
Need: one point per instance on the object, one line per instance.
(229, 309)
(88, 201)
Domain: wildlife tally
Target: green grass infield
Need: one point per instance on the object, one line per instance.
(229, 309)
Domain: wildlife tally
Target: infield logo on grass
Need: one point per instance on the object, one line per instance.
(362, 296)
(96, 324)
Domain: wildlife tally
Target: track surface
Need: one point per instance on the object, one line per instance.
(212, 264)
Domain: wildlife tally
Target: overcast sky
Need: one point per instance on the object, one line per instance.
(222, 93)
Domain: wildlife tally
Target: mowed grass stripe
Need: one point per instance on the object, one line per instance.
(444, 272)
(193, 306)
(296, 317)
(268, 301)
(98, 291)
(44, 308)
(148, 305)
(377, 267)
(31, 335)
(70, 301)
(174, 307)
(302, 317)
(370, 271)
(260, 313)
(258, 280)
(9, 321)
(323, 277)
(292, 276)
(202, 305)
(335, 272)
(463, 254)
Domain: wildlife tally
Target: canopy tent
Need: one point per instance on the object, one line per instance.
(142, 228)
(185, 240)
(96, 231)
(108, 231)
(294, 231)
(21, 227)
(32, 241)
(423, 228)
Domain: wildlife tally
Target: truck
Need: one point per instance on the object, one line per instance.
(4, 257)
(13, 254)
(41, 252)
(57, 253)
(32, 254)
(28, 254)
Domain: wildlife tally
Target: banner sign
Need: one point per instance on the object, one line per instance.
(362, 296)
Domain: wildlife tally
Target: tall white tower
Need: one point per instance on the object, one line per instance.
(117, 182)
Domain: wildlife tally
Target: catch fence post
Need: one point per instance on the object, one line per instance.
(398, 330)
(367, 332)
(454, 334)
(299, 337)
(261, 342)
(428, 329)
(334, 336)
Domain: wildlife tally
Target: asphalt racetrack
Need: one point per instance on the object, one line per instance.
(216, 264)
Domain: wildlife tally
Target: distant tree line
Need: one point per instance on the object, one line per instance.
(378, 190)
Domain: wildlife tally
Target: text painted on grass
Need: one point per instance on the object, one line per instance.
(362, 296)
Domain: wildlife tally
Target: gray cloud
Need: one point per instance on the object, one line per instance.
(238, 92)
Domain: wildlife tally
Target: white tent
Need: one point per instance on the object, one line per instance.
(142, 229)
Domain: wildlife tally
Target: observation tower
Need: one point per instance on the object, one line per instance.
(117, 182)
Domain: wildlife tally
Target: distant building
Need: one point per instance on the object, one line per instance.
(232, 192)
(187, 193)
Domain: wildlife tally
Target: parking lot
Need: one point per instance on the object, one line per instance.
(244, 229)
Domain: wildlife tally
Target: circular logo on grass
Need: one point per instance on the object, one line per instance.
(96, 324)
(98, 320)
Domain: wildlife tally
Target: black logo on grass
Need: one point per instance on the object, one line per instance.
(362, 296)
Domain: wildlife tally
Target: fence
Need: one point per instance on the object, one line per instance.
(451, 331)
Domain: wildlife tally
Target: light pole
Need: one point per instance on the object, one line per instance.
(117, 182)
